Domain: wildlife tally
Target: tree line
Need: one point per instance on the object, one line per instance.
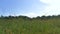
(26, 17)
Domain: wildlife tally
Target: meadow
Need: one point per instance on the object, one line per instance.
(25, 25)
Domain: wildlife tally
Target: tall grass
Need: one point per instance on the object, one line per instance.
(27, 26)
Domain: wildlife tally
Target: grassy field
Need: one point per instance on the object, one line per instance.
(29, 26)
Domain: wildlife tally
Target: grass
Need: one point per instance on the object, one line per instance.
(26, 26)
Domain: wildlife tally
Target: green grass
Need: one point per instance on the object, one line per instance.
(26, 26)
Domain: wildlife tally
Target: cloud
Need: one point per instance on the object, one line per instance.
(53, 7)
(30, 14)
(45, 7)
(50, 1)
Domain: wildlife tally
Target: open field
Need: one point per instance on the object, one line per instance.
(29, 26)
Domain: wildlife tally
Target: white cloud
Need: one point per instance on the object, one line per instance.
(50, 1)
(30, 14)
(53, 8)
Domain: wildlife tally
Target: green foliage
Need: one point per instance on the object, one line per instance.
(26, 25)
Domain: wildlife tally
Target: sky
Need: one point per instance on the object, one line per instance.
(30, 8)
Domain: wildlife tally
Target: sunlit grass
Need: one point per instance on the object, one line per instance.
(26, 26)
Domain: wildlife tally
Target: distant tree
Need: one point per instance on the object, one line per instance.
(2, 16)
(11, 16)
(23, 17)
(8, 17)
(38, 17)
(54, 16)
(59, 16)
(48, 17)
(43, 17)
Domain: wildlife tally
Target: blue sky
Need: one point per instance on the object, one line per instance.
(31, 8)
